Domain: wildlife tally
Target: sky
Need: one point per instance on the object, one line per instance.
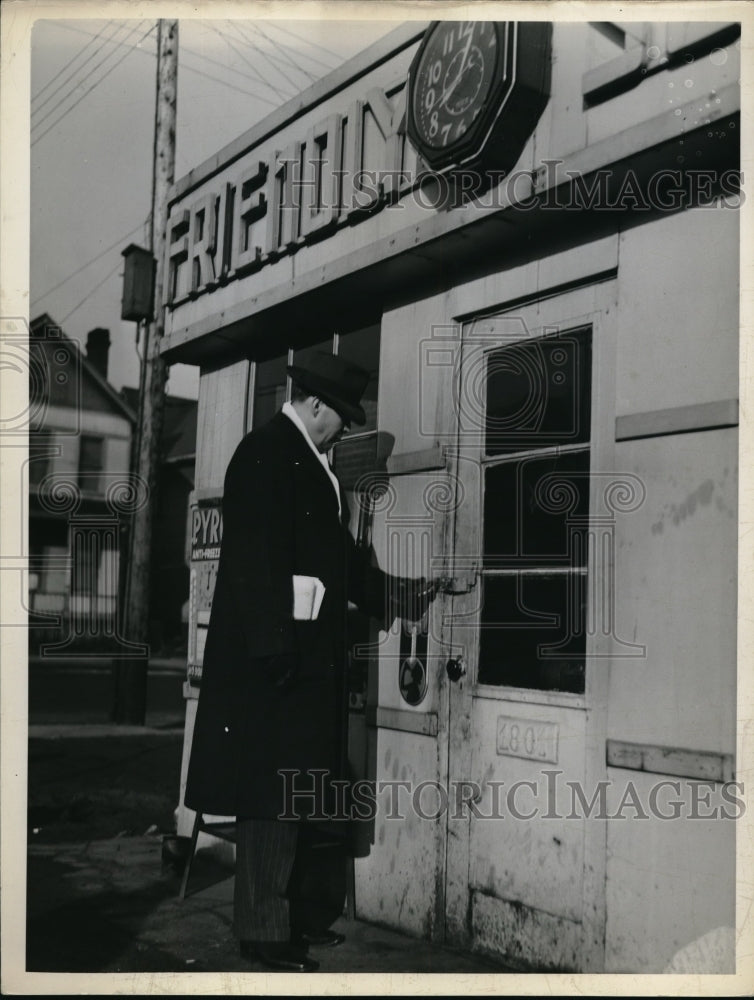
(92, 125)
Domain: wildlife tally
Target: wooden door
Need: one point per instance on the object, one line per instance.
(528, 631)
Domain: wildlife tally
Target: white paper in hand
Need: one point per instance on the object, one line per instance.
(308, 592)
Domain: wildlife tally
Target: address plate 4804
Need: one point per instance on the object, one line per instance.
(529, 738)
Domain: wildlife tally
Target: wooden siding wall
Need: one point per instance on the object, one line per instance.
(221, 422)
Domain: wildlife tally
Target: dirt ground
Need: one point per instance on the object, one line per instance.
(96, 787)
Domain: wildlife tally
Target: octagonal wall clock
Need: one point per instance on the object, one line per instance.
(476, 90)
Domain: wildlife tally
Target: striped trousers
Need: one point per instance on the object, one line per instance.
(285, 883)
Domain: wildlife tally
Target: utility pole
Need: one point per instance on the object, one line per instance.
(131, 672)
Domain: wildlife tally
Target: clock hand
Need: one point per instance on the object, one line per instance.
(446, 93)
(464, 57)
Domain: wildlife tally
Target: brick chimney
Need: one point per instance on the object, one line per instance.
(97, 349)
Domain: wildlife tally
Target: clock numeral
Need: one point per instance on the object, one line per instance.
(448, 42)
(435, 72)
(468, 29)
(446, 134)
(434, 125)
(461, 128)
(429, 99)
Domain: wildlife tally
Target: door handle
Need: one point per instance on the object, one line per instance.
(460, 584)
(455, 668)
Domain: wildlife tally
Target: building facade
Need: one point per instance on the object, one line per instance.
(79, 492)
(529, 237)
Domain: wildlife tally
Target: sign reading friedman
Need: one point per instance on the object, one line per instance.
(358, 159)
(294, 196)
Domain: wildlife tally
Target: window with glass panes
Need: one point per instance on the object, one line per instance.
(535, 512)
(91, 456)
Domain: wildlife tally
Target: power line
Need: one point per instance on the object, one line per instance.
(89, 294)
(283, 51)
(306, 55)
(275, 60)
(80, 99)
(93, 39)
(240, 90)
(199, 55)
(56, 93)
(74, 88)
(282, 94)
(97, 256)
(264, 55)
(199, 72)
(222, 65)
(308, 41)
(320, 67)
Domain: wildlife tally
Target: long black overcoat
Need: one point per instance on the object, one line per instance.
(280, 518)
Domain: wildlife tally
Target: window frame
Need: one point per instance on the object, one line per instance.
(536, 566)
(588, 300)
(82, 474)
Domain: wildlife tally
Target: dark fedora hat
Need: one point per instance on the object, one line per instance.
(337, 382)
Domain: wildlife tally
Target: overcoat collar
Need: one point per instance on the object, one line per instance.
(293, 439)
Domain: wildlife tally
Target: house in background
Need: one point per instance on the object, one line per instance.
(80, 494)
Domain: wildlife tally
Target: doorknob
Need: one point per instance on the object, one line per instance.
(455, 668)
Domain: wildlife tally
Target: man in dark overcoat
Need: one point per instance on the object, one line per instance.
(273, 695)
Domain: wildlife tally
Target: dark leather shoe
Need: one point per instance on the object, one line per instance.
(281, 955)
(321, 939)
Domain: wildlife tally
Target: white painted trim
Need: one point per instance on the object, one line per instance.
(699, 765)
(421, 723)
(677, 420)
(529, 696)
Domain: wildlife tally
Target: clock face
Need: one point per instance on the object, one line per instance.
(453, 80)
(476, 90)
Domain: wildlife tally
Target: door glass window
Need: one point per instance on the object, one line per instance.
(533, 632)
(538, 394)
(535, 509)
(535, 514)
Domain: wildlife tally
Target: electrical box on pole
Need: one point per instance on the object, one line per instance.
(137, 303)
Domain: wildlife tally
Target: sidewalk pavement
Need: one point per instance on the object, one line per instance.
(102, 893)
(112, 906)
